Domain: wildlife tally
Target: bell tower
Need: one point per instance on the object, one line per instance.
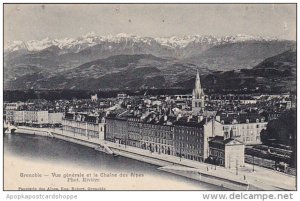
(198, 100)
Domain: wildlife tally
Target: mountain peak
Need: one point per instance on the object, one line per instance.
(91, 39)
(125, 35)
(90, 34)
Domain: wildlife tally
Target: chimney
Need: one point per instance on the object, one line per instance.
(213, 127)
(153, 115)
(165, 118)
(231, 134)
(189, 118)
(200, 118)
(178, 117)
(218, 118)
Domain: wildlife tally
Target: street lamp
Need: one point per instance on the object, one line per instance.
(237, 170)
(125, 141)
(252, 163)
(180, 152)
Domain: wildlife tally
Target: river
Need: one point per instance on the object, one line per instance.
(55, 159)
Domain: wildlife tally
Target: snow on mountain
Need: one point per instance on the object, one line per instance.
(15, 46)
(91, 39)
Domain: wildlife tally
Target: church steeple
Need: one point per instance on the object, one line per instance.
(198, 96)
(198, 91)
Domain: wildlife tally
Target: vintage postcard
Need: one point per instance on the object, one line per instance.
(103, 97)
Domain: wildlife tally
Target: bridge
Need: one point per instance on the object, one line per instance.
(8, 128)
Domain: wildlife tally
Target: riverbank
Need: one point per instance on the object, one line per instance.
(244, 179)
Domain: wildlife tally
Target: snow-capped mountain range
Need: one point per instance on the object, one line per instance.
(91, 39)
(92, 61)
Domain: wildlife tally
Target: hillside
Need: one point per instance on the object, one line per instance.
(115, 72)
(239, 55)
(277, 73)
(143, 71)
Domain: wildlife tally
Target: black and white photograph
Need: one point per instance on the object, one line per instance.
(150, 97)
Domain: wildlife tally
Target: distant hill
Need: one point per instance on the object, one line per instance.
(115, 72)
(277, 73)
(284, 61)
(239, 55)
(145, 71)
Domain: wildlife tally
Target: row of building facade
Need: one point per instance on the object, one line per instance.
(36, 118)
(81, 124)
(195, 138)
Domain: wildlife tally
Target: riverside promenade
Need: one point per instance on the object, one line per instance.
(235, 179)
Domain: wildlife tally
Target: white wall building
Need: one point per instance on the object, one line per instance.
(243, 127)
(84, 125)
(55, 117)
(36, 117)
(19, 117)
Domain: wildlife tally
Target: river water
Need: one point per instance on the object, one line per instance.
(49, 157)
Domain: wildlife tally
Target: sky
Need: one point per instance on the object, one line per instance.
(25, 22)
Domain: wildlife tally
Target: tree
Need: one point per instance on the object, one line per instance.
(284, 131)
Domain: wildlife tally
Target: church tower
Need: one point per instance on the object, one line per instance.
(198, 97)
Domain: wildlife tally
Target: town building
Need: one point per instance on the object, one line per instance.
(183, 97)
(135, 132)
(9, 109)
(245, 127)
(37, 118)
(90, 126)
(116, 129)
(158, 134)
(19, 117)
(191, 136)
(185, 137)
(55, 118)
(272, 115)
(229, 153)
(121, 96)
(94, 97)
